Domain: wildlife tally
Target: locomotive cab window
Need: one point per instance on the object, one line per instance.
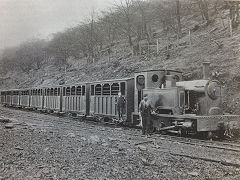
(181, 99)
(177, 78)
(154, 78)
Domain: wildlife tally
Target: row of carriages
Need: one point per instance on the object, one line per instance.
(95, 98)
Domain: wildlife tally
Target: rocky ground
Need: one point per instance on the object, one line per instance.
(41, 146)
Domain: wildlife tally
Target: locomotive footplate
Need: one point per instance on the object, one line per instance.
(197, 123)
(166, 121)
(216, 122)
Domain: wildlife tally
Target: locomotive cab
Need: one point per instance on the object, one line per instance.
(164, 95)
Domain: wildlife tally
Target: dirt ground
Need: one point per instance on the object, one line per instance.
(41, 146)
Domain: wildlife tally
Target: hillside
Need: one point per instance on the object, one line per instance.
(209, 42)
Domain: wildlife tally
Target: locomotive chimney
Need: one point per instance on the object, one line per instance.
(170, 81)
(206, 71)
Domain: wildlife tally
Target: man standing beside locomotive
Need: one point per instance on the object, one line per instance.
(145, 110)
(120, 106)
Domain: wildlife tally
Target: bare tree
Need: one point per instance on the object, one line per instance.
(203, 5)
(125, 23)
(179, 28)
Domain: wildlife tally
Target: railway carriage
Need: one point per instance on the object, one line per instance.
(8, 98)
(75, 98)
(52, 98)
(15, 98)
(36, 98)
(103, 97)
(3, 97)
(24, 98)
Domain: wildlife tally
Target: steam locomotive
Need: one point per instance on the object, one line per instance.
(179, 106)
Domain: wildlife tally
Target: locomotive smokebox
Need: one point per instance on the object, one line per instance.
(206, 70)
(170, 81)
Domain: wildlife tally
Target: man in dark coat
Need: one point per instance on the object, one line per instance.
(145, 110)
(120, 105)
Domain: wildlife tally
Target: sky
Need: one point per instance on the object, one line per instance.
(23, 20)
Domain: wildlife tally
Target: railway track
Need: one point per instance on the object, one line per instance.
(198, 142)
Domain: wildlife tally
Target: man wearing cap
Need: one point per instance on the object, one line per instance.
(145, 110)
(120, 105)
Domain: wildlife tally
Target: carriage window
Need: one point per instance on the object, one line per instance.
(41, 92)
(83, 90)
(73, 90)
(98, 89)
(106, 89)
(114, 89)
(48, 92)
(123, 87)
(55, 92)
(92, 90)
(64, 91)
(27, 92)
(51, 92)
(79, 90)
(68, 91)
(58, 91)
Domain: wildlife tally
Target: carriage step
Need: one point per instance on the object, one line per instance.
(89, 118)
(80, 115)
